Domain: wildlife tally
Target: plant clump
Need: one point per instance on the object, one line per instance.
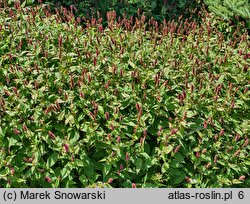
(135, 104)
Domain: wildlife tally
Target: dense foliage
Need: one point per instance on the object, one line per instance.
(132, 105)
(158, 9)
(229, 9)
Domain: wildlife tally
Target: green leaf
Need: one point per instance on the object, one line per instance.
(66, 171)
(52, 160)
(106, 169)
(101, 111)
(177, 176)
(69, 119)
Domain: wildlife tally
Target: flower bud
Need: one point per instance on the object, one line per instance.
(112, 154)
(12, 171)
(25, 129)
(197, 154)
(177, 149)
(236, 153)
(216, 137)
(127, 156)
(16, 131)
(121, 167)
(232, 104)
(242, 178)
(174, 131)
(222, 132)
(246, 142)
(204, 151)
(82, 95)
(237, 137)
(118, 139)
(215, 158)
(205, 124)
(110, 180)
(106, 115)
(48, 179)
(208, 165)
(188, 180)
(60, 41)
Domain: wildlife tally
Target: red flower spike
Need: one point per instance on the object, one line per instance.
(204, 151)
(208, 165)
(177, 149)
(205, 124)
(135, 130)
(210, 120)
(174, 131)
(65, 96)
(82, 95)
(232, 104)
(66, 147)
(51, 134)
(121, 167)
(20, 45)
(60, 40)
(118, 139)
(16, 131)
(15, 90)
(184, 94)
(25, 129)
(246, 142)
(127, 156)
(89, 77)
(138, 106)
(245, 90)
(236, 153)
(116, 110)
(121, 72)
(71, 82)
(58, 105)
(215, 158)
(237, 137)
(197, 154)
(222, 132)
(112, 127)
(142, 139)
(12, 171)
(106, 115)
(112, 154)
